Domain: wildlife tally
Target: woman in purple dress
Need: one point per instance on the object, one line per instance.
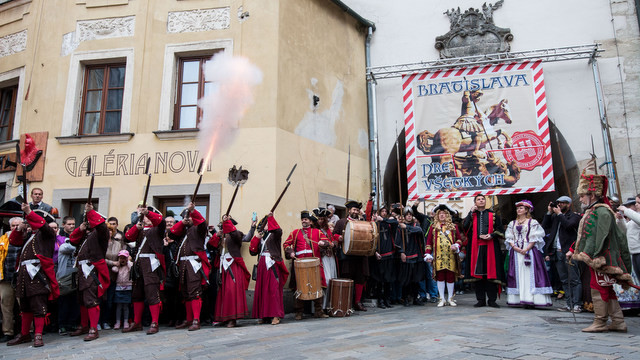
(528, 283)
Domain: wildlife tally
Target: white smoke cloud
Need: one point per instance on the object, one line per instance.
(234, 79)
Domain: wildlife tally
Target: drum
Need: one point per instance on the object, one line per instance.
(360, 238)
(308, 280)
(341, 291)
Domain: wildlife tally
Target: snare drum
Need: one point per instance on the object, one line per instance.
(341, 297)
(308, 280)
(360, 238)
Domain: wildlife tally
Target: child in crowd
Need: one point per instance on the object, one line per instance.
(123, 289)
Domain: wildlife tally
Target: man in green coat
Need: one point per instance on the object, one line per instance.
(603, 247)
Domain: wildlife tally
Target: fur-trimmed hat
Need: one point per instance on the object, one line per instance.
(525, 203)
(592, 183)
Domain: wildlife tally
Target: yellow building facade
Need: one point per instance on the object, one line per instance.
(111, 80)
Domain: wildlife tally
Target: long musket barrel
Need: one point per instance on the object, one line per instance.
(89, 173)
(263, 222)
(285, 188)
(146, 190)
(195, 192)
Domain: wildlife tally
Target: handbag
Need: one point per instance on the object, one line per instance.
(68, 283)
(254, 272)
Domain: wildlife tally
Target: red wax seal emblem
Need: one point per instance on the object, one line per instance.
(527, 150)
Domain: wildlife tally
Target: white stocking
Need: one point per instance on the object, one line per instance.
(441, 289)
(450, 290)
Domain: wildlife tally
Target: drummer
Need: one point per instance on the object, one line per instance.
(328, 252)
(306, 243)
(352, 267)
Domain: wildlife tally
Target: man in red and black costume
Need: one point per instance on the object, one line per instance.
(231, 302)
(272, 273)
(36, 279)
(484, 264)
(148, 267)
(352, 267)
(93, 273)
(305, 243)
(192, 262)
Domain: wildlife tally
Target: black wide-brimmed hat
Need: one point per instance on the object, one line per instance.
(352, 203)
(445, 207)
(321, 212)
(306, 214)
(48, 218)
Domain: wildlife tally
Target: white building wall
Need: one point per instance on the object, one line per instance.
(406, 32)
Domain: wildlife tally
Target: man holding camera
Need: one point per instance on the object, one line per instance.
(562, 226)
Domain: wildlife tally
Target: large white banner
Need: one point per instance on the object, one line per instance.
(477, 130)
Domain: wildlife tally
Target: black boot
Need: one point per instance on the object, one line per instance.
(381, 304)
(386, 303)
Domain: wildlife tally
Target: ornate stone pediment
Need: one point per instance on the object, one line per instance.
(13, 43)
(199, 20)
(97, 29)
(473, 33)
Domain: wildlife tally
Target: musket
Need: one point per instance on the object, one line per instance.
(84, 215)
(89, 173)
(348, 173)
(263, 222)
(285, 188)
(146, 190)
(195, 192)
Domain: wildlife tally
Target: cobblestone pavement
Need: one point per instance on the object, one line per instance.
(463, 332)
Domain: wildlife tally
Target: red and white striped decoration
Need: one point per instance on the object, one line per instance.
(547, 183)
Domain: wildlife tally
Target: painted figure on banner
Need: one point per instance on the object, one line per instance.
(461, 120)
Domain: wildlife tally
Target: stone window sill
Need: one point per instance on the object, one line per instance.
(94, 139)
(181, 134)
(8, 145)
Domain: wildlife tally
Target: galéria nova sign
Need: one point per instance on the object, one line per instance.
(124, 164)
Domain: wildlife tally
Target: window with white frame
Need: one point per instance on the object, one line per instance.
(99, 93)
(102, 99)
(183, 83)
(11, 85)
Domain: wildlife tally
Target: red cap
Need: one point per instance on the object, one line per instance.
(228, 227)
(196, 217)
(272, 224)
(94, 218)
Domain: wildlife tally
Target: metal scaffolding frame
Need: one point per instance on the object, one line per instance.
(588, 52)
(546, 55)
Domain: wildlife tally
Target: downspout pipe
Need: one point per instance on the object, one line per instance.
(372, 117)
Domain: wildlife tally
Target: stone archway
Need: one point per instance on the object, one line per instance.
(565, 170)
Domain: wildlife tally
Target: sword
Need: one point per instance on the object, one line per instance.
(569, 263)
(204, 275)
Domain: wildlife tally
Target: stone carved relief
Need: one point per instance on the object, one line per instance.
(199, 20)
(473, 33)
(13, 43)
(98, 29)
